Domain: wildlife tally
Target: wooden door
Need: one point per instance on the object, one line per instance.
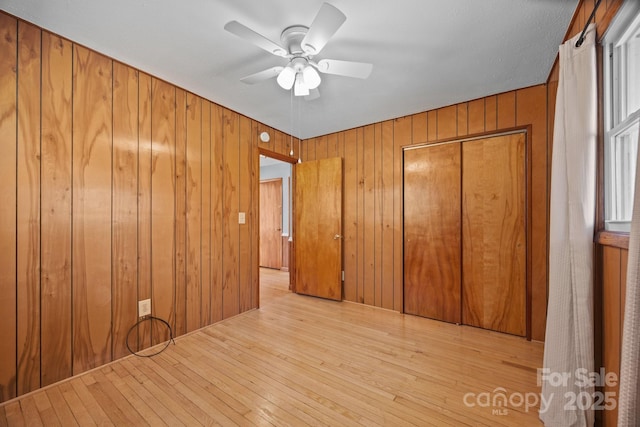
(318, 228)
(494, 233)
(271, 223)
(432, 232)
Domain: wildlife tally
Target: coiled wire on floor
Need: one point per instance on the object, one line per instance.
(150, 319)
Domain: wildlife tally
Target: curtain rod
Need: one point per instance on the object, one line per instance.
(584, 30)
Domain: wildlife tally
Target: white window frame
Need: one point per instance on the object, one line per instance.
(616, 119)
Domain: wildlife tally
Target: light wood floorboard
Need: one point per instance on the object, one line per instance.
(303, 361)
(274, 284)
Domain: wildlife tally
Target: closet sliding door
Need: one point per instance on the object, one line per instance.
(494, 233)
(432, 232)
(465, 245)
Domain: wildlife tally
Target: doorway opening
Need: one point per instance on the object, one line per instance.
(275, 228)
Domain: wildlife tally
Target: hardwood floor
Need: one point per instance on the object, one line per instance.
(274, 284)
(304, 361)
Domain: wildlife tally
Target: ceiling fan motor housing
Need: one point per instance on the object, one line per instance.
(292, 38)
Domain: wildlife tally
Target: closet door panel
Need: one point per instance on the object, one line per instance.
(432, 232)
(494, 233)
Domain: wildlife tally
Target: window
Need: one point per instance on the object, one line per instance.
(622, 115)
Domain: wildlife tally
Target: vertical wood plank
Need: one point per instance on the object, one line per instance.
(490, 113)
(230, 290)
(322, 149)
(193, 179)
(340, 145)
(125, 205)
(296, 148)
(163, 207)
(181, 254)
(611, 320)
(350, 223)
(378, 210)
(304, 149)
(402, 137)
(205, 310)
(419, 132)
(476, 116)
(57, 70)
(92, 174)
(531, 110)
(506, 110)
(463, 120)
(447, 122)
(601, 11)
(611, 417)
(217, 191)
(368, 214)
(360, 214)
(387, 202)
(312, 149)
(244, 199)
(287, 144)
(333, 149)
(432, 125)
(144, 202)
(8, 138)
(304, 144)
(28, 207)
(277, 142)
(578, 23)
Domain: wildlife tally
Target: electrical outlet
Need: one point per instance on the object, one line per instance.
(241, 218)
(144, 308)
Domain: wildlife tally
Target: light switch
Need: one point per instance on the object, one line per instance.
(241, 218)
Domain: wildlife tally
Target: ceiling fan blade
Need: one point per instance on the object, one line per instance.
(313, 94)
(324, 25)
(263, 75)
(234, 27)
(360, 70)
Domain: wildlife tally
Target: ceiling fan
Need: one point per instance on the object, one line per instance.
(299, 45)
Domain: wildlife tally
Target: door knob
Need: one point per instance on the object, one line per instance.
(337, 236)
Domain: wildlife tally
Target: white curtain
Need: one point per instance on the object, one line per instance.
(629, 397)
(568, 349)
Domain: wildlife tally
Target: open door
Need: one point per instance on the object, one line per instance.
(318, 228)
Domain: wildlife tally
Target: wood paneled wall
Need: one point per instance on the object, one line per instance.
(372, 257)
(610, 302)
(116, 187)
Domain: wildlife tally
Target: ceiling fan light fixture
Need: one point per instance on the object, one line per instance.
(286, 78)
(311, 77)
(300, 87)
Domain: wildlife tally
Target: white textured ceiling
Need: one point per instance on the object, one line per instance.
(426, 53)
